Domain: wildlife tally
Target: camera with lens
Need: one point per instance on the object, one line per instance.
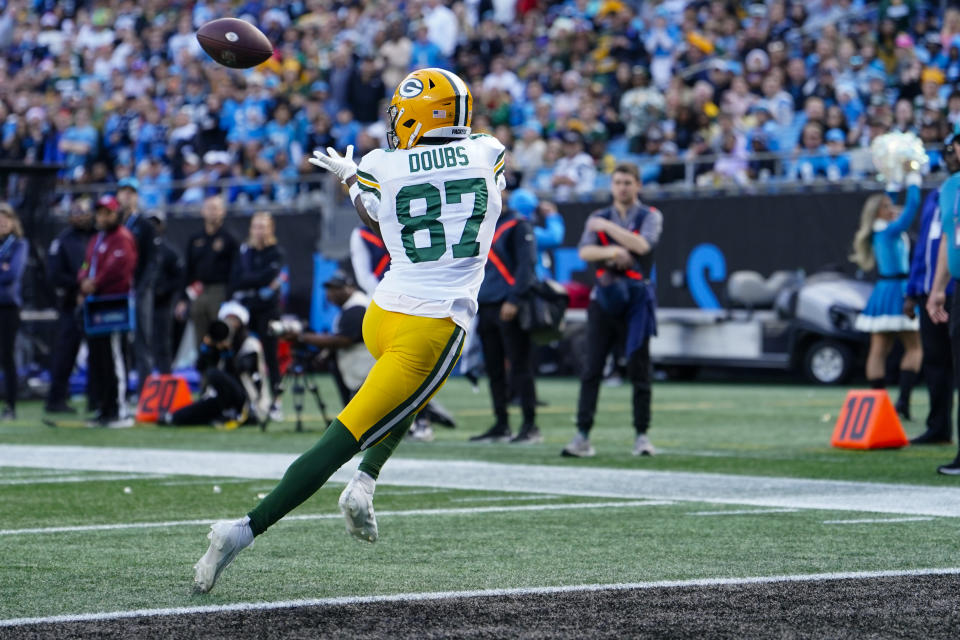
(285, 326)
(218, 331)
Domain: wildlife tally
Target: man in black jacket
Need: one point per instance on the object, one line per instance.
(507, 279)
(209, 262)
(144, 276)
(169, 284)
(64, 260)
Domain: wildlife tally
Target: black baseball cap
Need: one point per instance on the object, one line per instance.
(338, 280)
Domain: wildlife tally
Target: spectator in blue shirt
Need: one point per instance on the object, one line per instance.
(550, 234)
(281, 133)
(346, 130)
(154, 184)
(79, 142)
(812, 160)
(837, 160)
(151, 138)
(425, 53)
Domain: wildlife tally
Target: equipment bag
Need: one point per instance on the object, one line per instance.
(541, 312)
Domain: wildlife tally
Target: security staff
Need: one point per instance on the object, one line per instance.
(948, 266)
(209, 260)
(144, 277)
(937, 363)
(165, 293)
(508, 276)
(64, 260)
(619, 240)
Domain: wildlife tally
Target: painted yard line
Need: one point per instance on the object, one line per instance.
(740, 512)
(507, 498)
(337, 516)
(388, 491)
(86, 478)
(567, 478)
(32, 473)
(481, 593)
(877, 520)
(210, 481)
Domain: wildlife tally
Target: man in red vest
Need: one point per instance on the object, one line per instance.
(508, 276)
(619, 242)
(108, 270)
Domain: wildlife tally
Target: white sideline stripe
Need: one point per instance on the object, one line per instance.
(91, 478)
(561, 478)
(327, 516)
(740, 512)
(481, 593)
(876, 520)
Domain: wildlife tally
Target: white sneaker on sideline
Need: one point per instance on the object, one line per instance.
(421, 431)
(579, 447)
(642, 446)
(119, 423)
(276, 412)
(356, 505)
(227, 539)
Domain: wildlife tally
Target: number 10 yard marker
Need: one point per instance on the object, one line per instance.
(868, 421)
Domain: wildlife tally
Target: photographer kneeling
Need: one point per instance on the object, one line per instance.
(351, 359)
(236, 388)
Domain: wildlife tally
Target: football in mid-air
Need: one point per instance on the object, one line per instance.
(234, 43)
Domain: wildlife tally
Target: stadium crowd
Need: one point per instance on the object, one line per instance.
(687, 90)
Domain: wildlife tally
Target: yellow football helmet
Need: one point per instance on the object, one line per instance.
(429, 103)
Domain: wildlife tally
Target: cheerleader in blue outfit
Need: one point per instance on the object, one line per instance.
(882, 241)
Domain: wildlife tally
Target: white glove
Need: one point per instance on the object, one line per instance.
(342, 166)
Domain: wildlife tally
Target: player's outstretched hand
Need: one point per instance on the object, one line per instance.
(342, 166)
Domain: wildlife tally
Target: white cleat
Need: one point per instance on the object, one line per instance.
(356, 505)
(227, 539)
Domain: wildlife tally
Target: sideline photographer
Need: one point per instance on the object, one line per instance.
(352, 361)
(236, 390)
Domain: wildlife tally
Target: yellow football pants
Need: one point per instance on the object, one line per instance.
(414, 357)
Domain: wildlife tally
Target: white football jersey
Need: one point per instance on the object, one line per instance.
(437, 207)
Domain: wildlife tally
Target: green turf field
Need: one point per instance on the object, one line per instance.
(67, 545)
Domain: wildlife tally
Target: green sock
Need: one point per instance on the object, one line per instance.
(376, 456)
(305, 476)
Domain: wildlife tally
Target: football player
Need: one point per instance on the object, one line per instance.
(434, 198)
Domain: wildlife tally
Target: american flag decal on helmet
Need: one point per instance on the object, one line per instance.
(439, 114)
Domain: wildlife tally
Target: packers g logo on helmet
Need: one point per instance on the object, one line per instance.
(410, 88)
(429, 103)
